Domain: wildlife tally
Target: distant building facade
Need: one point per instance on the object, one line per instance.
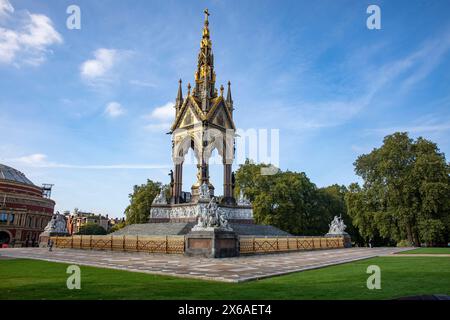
(25, 209)
(78, 219)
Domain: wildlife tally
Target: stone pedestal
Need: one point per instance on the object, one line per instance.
(345, 235)
(44, 236)
(214, 243)
(188, 212)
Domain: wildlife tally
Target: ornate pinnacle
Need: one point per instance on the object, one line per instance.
(229, 99)
(179, 100)
(180, 92)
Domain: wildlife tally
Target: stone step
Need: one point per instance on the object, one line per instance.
(156, 229)
(181, 228)
(257, 230)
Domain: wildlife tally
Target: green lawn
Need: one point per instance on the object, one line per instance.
(427, 251)
(400, 276)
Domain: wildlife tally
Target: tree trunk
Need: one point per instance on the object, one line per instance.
(416, 239)
(409, 233)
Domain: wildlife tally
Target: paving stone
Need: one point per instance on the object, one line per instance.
(237, 269)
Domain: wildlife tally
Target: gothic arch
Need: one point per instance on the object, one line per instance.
(181, 147)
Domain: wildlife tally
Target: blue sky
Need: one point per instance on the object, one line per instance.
(88, 109)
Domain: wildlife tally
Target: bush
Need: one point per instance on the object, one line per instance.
(117, 227)
(404, 243)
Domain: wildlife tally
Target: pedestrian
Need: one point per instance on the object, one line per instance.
(370, 243)
(50, 244)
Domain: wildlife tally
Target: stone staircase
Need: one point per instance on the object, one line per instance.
(155, 229)
(182, 228)
(257, 230)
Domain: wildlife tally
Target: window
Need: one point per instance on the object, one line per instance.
(11, 217)
(3, 217)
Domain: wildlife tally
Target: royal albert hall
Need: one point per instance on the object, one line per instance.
(25, 209)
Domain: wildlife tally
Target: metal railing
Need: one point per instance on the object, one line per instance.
(176, 244)
(151, 244)
(286, 244)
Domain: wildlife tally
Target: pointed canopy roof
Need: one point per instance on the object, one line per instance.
(204, 89)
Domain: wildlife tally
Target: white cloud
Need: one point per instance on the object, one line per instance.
(5, 8)
(103, 62)
(158, 127)
(397, 75)
(33, 159)
(29, 42)
(9, 45)
(114, 109)
(39, 160)
(431, 55)
(164, 113)
(141, 83)
(161, 117)
(413, 129)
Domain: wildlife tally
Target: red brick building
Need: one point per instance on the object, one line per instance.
(25, 209)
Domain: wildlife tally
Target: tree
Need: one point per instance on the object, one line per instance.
(91, 229)
(140, 202)
(117, 226)
(406, 191)
(287, 200)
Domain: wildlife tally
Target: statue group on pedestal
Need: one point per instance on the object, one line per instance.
(337, 226)
(204, 193)
(211, 218)
(243, 201)
(57, 224)
(161, 197)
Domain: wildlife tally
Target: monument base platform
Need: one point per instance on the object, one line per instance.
(345, 235)
(183, 228)
(212, 244)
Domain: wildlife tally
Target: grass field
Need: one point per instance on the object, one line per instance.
(401, 276)
(427, 251)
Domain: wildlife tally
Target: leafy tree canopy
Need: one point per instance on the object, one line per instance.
(289, 200)
(91, 229)
(141, 200)
(405, 192)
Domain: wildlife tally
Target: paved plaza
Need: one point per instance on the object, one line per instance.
(239, 269)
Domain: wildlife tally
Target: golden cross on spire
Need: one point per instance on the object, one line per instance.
(206, 15)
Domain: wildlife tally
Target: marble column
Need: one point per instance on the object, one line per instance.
(178, 183)
(227, 185)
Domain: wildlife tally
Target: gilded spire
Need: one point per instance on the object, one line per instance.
(204, 76)
(205, 28)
